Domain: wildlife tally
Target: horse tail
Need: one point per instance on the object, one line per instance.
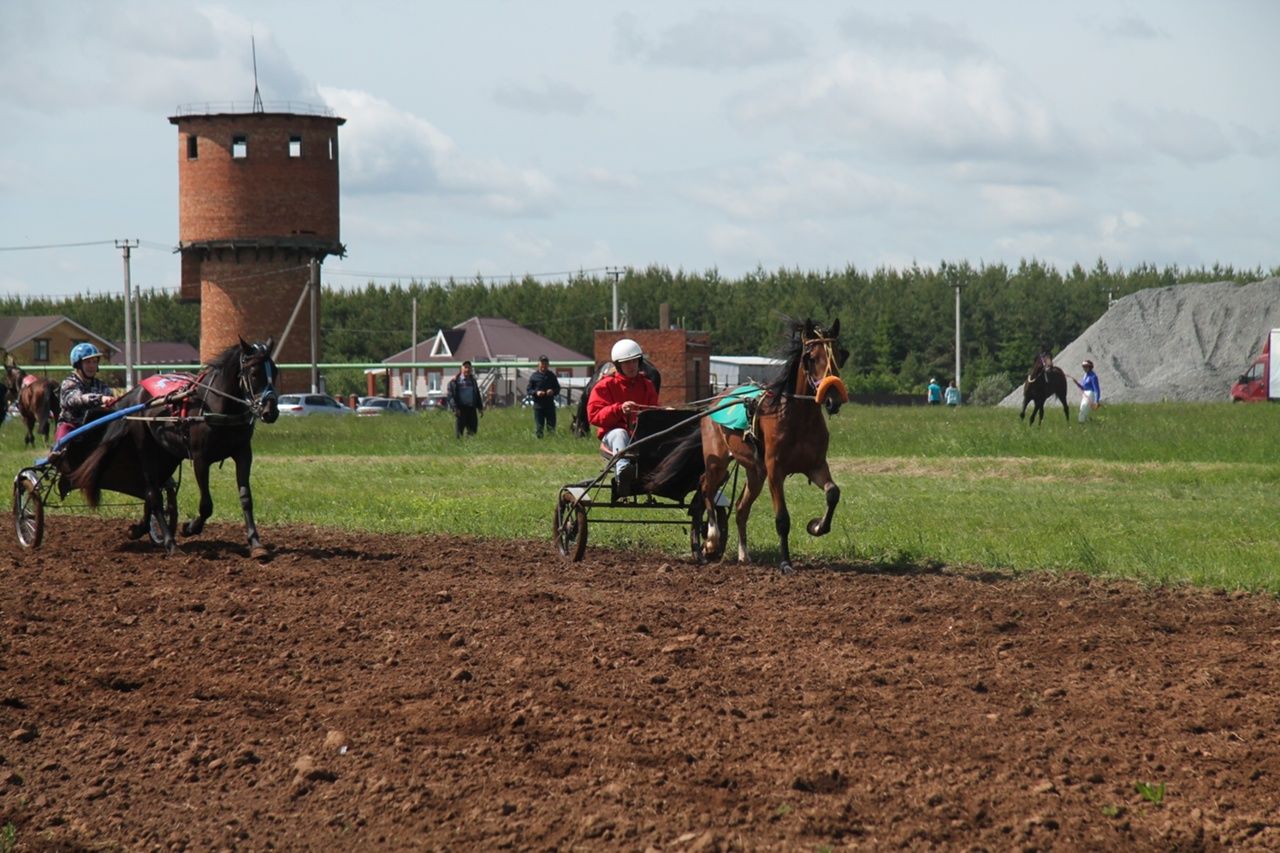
(680, 469)
(87, 475)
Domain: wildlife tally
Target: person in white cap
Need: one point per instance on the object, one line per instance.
(614, 403)
(1091, 391)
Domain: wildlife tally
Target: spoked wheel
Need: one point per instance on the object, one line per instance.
(28, 511)
(722, 522)
(169, 508)
(570, 528)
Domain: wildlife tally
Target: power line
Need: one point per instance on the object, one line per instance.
(58, 246)
(330, 270)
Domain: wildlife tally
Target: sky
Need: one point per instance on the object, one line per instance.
(498, 138)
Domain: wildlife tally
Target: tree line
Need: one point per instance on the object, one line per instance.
(898, 324)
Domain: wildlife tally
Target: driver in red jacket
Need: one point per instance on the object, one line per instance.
(614, 403)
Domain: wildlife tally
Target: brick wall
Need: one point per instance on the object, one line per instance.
(266, 193)
(683, 357)
(252, 299)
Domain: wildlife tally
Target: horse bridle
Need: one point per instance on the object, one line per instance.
(255, 403)
(804, 377)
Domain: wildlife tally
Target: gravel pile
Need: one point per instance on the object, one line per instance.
(1188, 342)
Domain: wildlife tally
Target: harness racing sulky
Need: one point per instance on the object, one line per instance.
(136, 446)
(683, 458)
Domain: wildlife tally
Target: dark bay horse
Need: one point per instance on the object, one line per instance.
(211, 418)
(38, 400)
(787, 435)
(1043, 382)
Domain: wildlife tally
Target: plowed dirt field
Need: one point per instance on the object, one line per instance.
(365, 692)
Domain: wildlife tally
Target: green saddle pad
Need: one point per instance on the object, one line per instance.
(735, 417)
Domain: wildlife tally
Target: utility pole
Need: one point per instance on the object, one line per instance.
(616, 272)
(315, 326)
(413, 366)
(959, 286)
(124, 246)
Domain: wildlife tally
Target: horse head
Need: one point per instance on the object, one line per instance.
(257, 379)
(821, 358)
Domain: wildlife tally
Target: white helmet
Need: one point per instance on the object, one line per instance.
(625, 350)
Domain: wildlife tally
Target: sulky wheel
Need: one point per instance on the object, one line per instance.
(570, 527)
(722, 521)
(169, 507)
(28, 511)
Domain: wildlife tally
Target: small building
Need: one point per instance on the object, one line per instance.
(164, 357)
(683, 358)
(503, 354)
(730, 371)
(43, 344)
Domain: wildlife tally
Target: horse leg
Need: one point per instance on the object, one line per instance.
(200, 468)
(1026, 399)
(822, 526)
(742, 512)
(1065, 411)
(30, 423)
(244, 463)
(781, 519)
(154, 509)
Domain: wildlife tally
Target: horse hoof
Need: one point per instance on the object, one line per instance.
(137, 531)
(259, 552)
(815, 527)
(785, 567)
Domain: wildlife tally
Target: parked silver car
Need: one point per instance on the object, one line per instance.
(382, 406)
(311, 404)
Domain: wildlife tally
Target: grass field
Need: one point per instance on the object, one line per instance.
(1166, 493)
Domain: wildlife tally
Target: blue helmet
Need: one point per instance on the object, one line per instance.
(81, 351)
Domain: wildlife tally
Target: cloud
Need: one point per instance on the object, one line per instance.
(1130, 27)
(967, 110)
(388, 150)
(918, 33)
(739, 242)
(1186, 137)
(713, 41)
(53, 61)
(609, 179)
(793, 186)
(546, 98)
(1030, 205)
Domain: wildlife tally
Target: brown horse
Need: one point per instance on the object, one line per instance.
(38, 401)
(787, 435)
(1044, 381)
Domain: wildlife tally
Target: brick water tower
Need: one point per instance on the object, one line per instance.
(257, 202)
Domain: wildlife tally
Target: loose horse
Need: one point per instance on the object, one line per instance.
(38, 401)
(787, 435)
(1041, 384)
(211, 418)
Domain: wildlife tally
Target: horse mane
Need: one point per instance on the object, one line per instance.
(791, 353)
(226, 360)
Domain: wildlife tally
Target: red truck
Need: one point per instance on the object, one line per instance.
(1262, 380)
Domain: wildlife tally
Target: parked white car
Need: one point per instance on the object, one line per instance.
(311, 404)
(383, 406)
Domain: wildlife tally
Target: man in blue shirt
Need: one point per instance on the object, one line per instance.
(1091, 391)
(935, 392)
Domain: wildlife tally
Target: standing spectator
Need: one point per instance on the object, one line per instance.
(465, 400)
(953, 394)
(1091, 391)
(934, 395)
(543, 389)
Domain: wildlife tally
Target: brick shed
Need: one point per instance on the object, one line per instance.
(682, 356)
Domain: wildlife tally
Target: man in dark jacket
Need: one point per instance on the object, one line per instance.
(465, 400)
(543, 389)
